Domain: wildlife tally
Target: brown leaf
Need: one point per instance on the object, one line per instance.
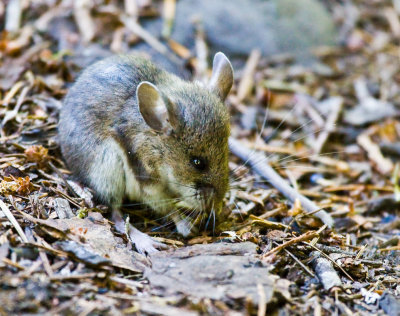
(10, 185)
(38, 154)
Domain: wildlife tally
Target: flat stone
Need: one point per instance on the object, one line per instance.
(220, 271)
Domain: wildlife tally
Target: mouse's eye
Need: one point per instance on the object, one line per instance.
(198, 163)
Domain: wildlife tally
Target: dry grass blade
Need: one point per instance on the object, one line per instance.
(13, 221)
(12, 114)
(306, 236)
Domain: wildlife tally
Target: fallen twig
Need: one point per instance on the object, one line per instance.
(383, 164)
(84, 19)
(169, 17)
(13, 15)
(306, 236)
(266, 171)
(301, 264)
(267, 224)
(262, 304)
(247, 81)
(137, 29)
(337, 104)
(13, 221)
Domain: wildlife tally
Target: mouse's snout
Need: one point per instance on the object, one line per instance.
(211, 197)
(207, 190)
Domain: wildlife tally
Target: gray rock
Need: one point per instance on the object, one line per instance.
(238, 26)
(220, 271)
(390, 304)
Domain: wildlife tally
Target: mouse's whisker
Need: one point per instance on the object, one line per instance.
(238, 210)
(171, 213)
(202, 211)
(164, 201)
(208, 220)
(259, 135)
(283, 138)
(287, 159)
(213, 212)
(194, 221)
(143, 203)
(276, 129)
(167, 224)
(239, 185)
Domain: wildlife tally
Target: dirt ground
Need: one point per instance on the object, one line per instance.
(328, 124)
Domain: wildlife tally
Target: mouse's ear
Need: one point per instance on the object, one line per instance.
(222, 76)
(155, 111)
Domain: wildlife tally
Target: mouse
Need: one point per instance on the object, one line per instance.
(130, 130)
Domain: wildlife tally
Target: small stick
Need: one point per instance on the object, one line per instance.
(268, 173)
(247, 81)
(390, 248)
(267, 224)
(301, 264)
(13, 264)
(201, 53)
(262, 304)
(131, 8)
(137, 29)
(383, 164)
(117, 40)
(307, 102)
(273, 212)
(13, 16)
(84, 19)
(12, 92)
(306, 236)
(12, 114)
(46, 263)
(393, 19)
(63, 179)
(13, 221)
(169, 17)
(329, 124)
(44, 258)
(131, 283)
(71, 277)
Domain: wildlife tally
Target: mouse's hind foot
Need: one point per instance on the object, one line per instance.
(144, 244)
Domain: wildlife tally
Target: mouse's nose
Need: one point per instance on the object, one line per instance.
(206, 189)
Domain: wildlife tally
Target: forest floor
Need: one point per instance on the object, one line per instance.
(332, 131)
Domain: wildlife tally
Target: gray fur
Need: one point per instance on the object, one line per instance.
(109, 146)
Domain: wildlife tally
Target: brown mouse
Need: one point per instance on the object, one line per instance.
(130, 129)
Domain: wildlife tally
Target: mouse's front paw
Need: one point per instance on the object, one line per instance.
(144, 244)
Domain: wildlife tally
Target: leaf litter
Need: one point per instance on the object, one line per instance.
(329, 127)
